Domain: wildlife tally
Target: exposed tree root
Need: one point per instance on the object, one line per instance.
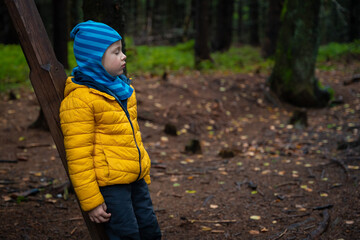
(321, 228)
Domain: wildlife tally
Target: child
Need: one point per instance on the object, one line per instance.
(108, 164)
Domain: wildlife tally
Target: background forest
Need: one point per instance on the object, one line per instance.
(249, 110)
(163, 36)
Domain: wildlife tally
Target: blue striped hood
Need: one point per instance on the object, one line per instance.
(91, 39)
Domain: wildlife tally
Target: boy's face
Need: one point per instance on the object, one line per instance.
(113, 59)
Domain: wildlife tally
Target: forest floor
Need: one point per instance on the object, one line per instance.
(256, 177)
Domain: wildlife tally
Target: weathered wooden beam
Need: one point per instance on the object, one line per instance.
(47, 77)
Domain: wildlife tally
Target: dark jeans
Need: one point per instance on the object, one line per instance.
(132, 214)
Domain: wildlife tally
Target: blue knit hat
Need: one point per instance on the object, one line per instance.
(91, 39)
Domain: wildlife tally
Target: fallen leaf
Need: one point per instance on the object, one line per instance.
(158, 105)
(190, 191)
(164, 139)
(353, 167)
(51, 200)
(254, 232)
(255, 217)
(173, 179)
(6, 198)
(38, 174)
(349, 222)
(213, 206)
(189, 160)
(204, 228)
(176, 185)
(48, 195)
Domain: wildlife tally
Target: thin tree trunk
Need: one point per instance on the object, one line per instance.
(240, 21)
(293, 78)
(254, 22)
(77, 14)
(202, 51)
(224, 22)
(189, 16)
(7, 32)
(148, 18)
(354, 20)
(60, 31)
(272, 28)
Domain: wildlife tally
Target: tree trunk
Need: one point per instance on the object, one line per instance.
(60, 31)
(110, 12)
(189, 16)
(7, 32)
(293, 78)
(272, 28)
(202, 51)
(76, 11)
(224, 22)
(354, 20)
(240, 21)
(40, 122)
(148, 14)
(157, 10)
(254, 22)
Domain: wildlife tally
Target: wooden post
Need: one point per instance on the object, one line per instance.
(47, 77)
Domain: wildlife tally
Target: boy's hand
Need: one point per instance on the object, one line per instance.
(99, 214)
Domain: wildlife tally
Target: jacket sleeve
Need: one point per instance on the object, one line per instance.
(78, 127)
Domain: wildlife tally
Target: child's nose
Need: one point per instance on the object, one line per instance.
(123, 57)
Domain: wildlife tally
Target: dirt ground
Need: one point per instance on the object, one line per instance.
(256, 176)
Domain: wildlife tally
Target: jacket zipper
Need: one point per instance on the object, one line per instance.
(132, 127)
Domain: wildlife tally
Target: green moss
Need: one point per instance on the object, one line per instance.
(338, 51)
(14, 70)
(288, 74)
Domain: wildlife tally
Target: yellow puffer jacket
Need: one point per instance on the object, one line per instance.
(102, 146)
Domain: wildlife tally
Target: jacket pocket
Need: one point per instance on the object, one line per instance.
(106, 168)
